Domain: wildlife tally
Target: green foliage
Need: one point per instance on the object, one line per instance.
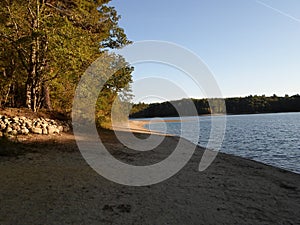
(116, 90)
(46, 45)
(263, 104)
(247, 105)
(138, 107)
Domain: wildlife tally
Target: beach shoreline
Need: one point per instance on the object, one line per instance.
(138, 126)
(50, 183)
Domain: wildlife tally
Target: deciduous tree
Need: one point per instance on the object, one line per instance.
(46, 45)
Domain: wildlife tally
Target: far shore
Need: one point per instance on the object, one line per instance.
(215, 114)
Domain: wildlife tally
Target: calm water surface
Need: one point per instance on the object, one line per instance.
(273, 139)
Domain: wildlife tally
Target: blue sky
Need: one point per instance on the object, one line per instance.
(252, 47)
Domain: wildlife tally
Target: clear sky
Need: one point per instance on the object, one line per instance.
(252, 47)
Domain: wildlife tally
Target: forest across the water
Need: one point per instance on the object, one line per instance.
(238, 105)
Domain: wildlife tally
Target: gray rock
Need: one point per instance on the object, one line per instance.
(23, 125)
(25, 131)
(37, 124)
(28, 124)
(2, 126)
(14, 132)
(16, 127)
(23, 118)
(9, 130)
(60, 128)
(36, 130)
(52, 129)
(45, 131)
(66, 128)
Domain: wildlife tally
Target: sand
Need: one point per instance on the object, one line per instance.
(46, 181)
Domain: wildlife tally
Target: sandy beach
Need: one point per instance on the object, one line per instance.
(46, 181)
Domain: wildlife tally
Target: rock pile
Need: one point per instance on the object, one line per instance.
(22, 125)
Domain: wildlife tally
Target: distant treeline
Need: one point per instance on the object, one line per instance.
(242, 105)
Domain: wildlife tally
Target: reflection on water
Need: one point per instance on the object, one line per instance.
(273, 139)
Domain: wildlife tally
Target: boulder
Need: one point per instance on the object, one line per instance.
(52, 129)
(14, 132)
(37, 130)
(28, 124)
(37, 124)
(25, 131)
(9, 130)
(66, 128)
(45, 131)
(16, 127)
(60, 128)
(2, 125)
(23, 118)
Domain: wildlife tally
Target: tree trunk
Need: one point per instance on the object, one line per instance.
(34, 99)
(28, 94)
(46, 97)
(32, 94)
(33, 73)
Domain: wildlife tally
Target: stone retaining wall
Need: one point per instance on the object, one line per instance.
(23, 126)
